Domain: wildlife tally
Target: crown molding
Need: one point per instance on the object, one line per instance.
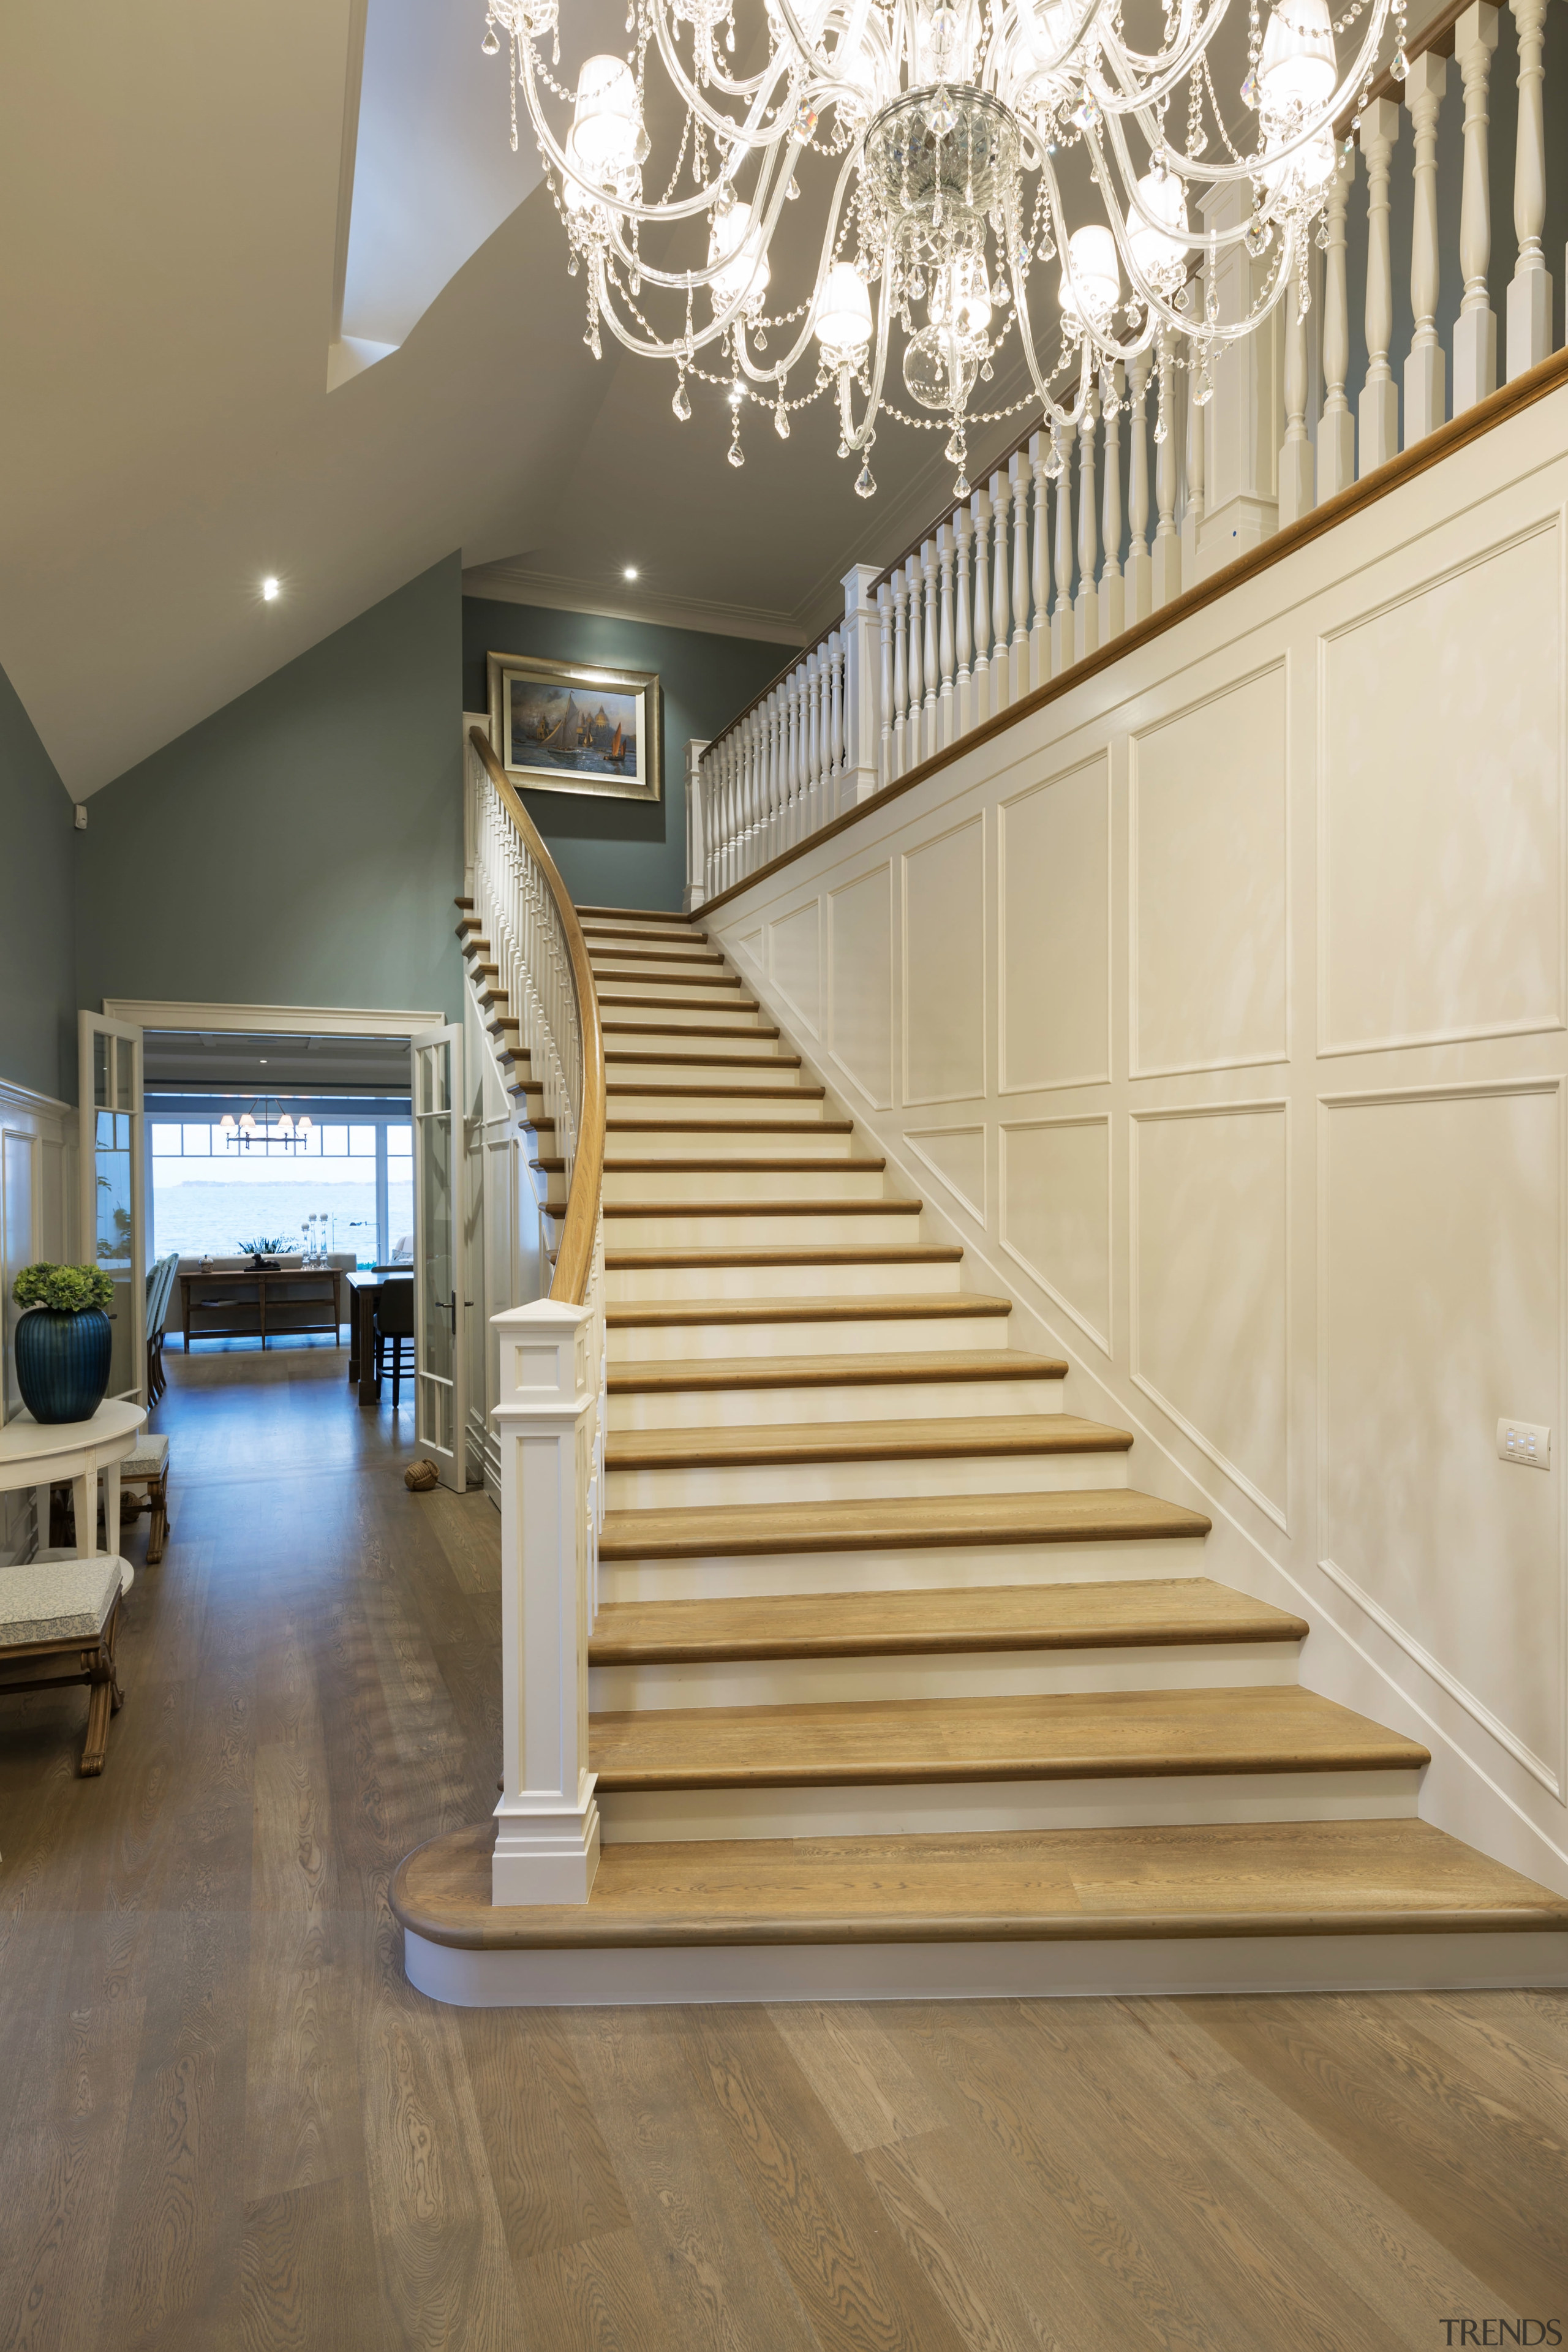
(15, 1096)
(507, 583)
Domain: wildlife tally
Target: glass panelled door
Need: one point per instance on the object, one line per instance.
(439, 1358)
(113, 1187)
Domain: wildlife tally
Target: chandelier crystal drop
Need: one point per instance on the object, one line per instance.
(932, 137)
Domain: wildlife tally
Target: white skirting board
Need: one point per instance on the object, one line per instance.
(667, 1974)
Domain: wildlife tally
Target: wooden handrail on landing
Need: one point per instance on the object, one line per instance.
(575, 1259)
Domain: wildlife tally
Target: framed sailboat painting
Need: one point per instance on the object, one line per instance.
(568, 727)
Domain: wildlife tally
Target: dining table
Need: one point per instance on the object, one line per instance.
(364, 1286)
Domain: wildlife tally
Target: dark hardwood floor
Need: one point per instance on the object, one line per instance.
(227, 2121)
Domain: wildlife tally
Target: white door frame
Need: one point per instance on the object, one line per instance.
(275, 1020)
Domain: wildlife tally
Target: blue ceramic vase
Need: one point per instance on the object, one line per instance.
(62, 1362)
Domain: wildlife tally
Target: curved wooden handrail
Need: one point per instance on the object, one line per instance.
(575, 1259)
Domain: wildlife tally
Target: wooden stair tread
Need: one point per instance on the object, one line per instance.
(1059, 1736)
(696, 1091)
(860, 1306)
(800, 1254)
(806, 1129)
(672, 1003)
(1162, 1612)
(823, 1164)
(630, 915)
(1287, 1878)
(684, 979)
(682, 1029)
(709, 1061)
(1088, 1515)
(807, 1208)
(599, 930)
(917, 1366)
(861, 1441)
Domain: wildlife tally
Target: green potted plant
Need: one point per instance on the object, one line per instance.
(263, 1253)
(63, 1340)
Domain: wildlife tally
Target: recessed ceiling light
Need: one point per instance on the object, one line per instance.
(630, 572)
(269, 590)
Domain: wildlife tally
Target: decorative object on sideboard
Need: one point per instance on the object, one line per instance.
(932, 139)
(63, 1340)
(266, 1255)
(572, 727)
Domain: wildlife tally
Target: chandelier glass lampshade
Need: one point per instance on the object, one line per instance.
(267, 1128)
(947, 150)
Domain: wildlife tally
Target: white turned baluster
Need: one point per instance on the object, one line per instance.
(901, 671)
(1063, 649)
(946, 707)
(1166, 565)
(912, 731)
(743, 802)
(1140, 584)
(764, 780)
(1112, 585)
(1040, 576)
(1086, 616)
(885, 769)
(1000, 680)
(1336, 432)
(801, 756)
(809, 817)
(963, 697)
(1475, 330)
(1529, 291)
(929, 650)
(1018, 655)
(1296, 456)
(1197, 453)
(1380, 393)
(1425, 368)
(790, 716)
(835, 742)
(981, 704)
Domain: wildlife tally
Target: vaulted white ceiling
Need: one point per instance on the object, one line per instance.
(180, 255)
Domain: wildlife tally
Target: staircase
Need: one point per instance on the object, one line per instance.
(898, 1681)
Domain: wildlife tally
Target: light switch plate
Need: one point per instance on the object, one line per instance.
(1529, 1442)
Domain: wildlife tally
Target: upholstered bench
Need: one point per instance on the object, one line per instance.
(59, 1607)
(146, 1469)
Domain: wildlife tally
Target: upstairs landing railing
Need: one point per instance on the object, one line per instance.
(1072, 542)
(551, 1413)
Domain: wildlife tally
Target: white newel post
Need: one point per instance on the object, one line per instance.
(1197, 447)
(1241, 503)
(946, 651)
(1002, 691)
(1475, 330)
(1336, 429)
(547, 1823)
(1086, 631)
(1019, 477)
(980, 706)
(1040, 574)
(1138, 597)
(1296, 456)
(1063, 650)
(1425, 368)
(1530, 292)
(1379, 404)
(1167, 556)
(696, 851)
(1112, 585)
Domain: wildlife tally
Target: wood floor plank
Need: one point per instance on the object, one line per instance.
(856, 2070)
(553, 2178)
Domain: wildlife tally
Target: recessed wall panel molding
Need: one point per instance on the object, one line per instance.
(860, 983)
(944, 967)
(1210, 1285)
(956, 1158)
(794, 954)
(1056, 1212)
(1440, 1282)
(1442, 820)
(749, 949)
(1054, 931)
(1208, 932)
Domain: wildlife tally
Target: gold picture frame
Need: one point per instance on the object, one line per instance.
(577, 727)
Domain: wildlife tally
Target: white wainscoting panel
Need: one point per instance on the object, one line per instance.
(956, 1157)
(749, 951)
(1209, 884)
(860, 982)
(1443, 806)
(1441, 1279)
(794, 954)
(1056, 1212)
(944, 967)
(38, 1220)
(1266, 916)
(1053, 844)
(1210, 1303)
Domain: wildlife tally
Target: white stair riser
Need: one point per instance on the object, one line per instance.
(640, 1136)
(624, 1285)
(741, 1016)
(1002, 1673)
(789, 1103)
(671, 959)
(789, 1186)
(737, 1039)
(934, 1567)
(787, 1229)
(862, 1334)
(953, 1807)
(696, 1069)
(844, 1481)
(750, 1408)
(614, 931)
(687, 984)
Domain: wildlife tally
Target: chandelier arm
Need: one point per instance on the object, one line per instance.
(781, 368)
(685, 282)
(626, 206)
(857, 439)
(1061, 418)
(745, 87)
(752, 132)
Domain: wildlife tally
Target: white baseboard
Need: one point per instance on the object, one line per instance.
(662, 1975)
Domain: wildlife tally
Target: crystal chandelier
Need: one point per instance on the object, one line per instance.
(931, 135)
(266, 1127)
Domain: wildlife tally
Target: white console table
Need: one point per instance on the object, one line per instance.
(44, 1454)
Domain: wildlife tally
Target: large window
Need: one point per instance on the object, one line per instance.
(351, 1188)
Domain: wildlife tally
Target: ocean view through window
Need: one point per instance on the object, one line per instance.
(209, 1197)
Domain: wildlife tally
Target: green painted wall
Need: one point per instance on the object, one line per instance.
(304, 845)
(37, 927)
(615, 853)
